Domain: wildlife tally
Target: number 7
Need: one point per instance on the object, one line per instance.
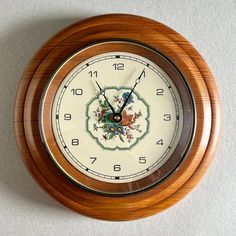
(94, 159)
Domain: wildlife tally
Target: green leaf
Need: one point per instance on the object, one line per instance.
(105, 103)
(121, 138)
(99, 119)
(104, 128)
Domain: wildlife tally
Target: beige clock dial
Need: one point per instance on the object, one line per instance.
(86, 133)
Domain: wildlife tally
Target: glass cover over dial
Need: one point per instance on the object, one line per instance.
(117, 117)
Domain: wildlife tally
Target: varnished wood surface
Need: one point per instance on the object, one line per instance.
(191, 65)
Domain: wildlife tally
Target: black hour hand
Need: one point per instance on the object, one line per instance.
(104, 95)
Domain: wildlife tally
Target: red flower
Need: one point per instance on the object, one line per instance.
(127, 120)
(103, 112)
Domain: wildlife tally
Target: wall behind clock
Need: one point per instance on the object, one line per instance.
(210, 209)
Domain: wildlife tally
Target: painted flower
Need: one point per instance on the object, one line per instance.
(127, 119)
(125, 96)
(120, 129)
(108, 119)
(115, 128)
(126, 129)
(111, 128)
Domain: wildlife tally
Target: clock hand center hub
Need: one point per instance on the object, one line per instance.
(116, 117)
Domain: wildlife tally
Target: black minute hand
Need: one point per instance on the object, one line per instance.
(103, 94)
(137, 81)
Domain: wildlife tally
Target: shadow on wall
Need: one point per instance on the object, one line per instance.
(17, 46)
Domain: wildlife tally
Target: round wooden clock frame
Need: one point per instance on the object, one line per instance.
(109, 28)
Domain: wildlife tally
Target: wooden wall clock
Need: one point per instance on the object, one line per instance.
(117, 117)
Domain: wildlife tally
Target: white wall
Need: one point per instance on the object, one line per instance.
(210, 209)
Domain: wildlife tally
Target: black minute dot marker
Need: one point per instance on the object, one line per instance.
(65, 147)
(57, 116)
(117, 56)
(117, 177)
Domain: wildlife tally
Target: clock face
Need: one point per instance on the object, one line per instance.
(118, 118)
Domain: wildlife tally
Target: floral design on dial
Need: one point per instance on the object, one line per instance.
(123, 135)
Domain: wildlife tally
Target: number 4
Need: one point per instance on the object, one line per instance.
(160, 142)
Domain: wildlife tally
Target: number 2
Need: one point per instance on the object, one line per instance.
(160, 91)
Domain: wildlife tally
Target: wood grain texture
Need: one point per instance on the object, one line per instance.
(157, 36)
